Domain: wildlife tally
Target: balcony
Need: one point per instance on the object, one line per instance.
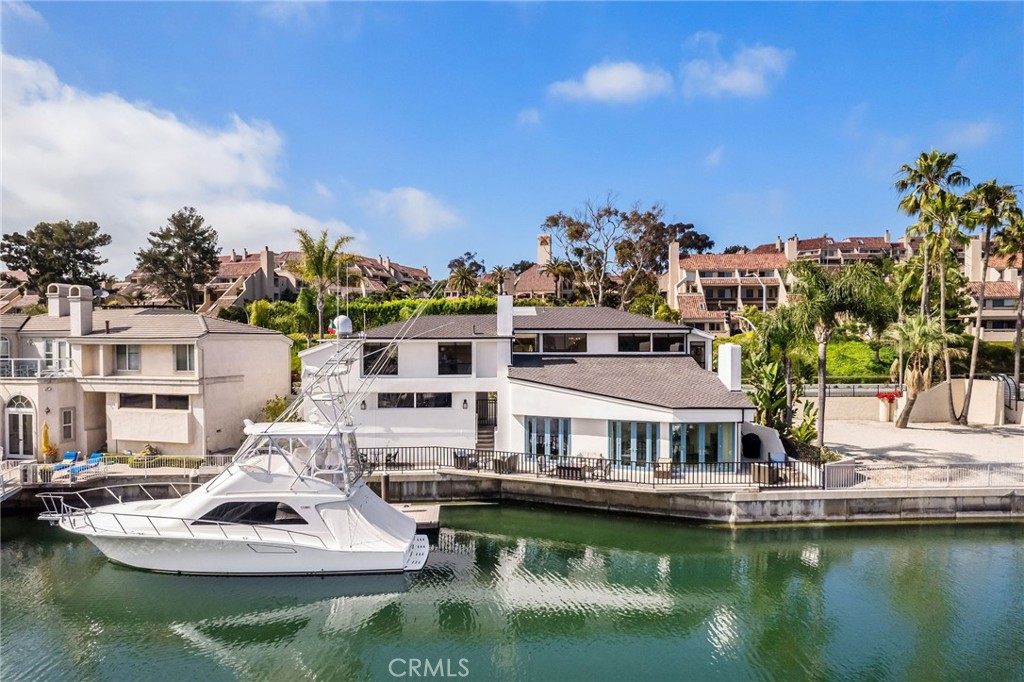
(34, 368)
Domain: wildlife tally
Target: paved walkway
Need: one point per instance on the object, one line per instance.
(878, 442)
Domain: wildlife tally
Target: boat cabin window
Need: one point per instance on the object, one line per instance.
(256, 513)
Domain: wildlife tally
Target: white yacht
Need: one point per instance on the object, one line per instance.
(293, 501)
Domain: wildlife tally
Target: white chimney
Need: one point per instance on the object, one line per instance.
(504, 315)
(81, 310)
(729, 366)
(888, 237)
(543, 249)
(57, 300)
(673, 275)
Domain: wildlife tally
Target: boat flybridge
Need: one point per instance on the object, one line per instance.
(293, 501)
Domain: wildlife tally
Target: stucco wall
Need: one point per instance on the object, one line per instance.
(844, 408)
(986, 403)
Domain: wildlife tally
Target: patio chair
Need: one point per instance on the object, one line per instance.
(506, 465)
(94, 461)
(70, 457)
(464, 461)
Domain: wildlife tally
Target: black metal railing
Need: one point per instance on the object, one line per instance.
(789, 474)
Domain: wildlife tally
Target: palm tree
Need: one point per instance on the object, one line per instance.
(785, 334)
(558, 270)
(321, 262)
(1009, 242)
(500, 273)
(822, 298)
(947, 212)
(462, 280)
(304, 313)
(996, 207)
(920, 338)
(931, 173)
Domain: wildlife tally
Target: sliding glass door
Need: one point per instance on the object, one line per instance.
(633, 443)
(548, 436)
(707, 443)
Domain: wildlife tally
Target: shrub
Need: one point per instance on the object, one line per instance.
(154, 461)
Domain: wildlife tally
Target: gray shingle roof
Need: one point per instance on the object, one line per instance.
(439, 327)
(574, 317)
(142, 324)
(666, 381)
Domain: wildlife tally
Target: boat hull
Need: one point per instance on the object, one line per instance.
(237, 557)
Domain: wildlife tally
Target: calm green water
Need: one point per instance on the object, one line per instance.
(530, 594)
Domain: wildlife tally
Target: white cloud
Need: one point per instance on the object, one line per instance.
(528, 118)
(82, 156)
(714, 157)
(966, 135)
(750, 71)
(291, 12)
(322, 190)
(415, 210)
(22, 11)
(615, 82)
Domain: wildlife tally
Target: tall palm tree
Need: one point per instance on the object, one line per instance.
(785, 334)
(996, 207)
(931, 173)
(321, 262)
(462, 281)
(500, 273)
(822, 298)
(920, 338)
(947, 212)
(1009, 241)
(558, 270)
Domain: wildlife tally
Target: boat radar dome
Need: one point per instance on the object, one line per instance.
(340, 326)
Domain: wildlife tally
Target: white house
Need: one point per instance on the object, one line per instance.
(117, 379)
(553, 381)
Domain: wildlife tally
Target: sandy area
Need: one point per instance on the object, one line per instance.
(872, 441)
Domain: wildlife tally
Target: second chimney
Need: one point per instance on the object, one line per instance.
(80, 300)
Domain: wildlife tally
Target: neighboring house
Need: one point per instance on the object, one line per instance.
(534, 282)
(546, 381)
(999, 316)
(119, 378)
(13, 298)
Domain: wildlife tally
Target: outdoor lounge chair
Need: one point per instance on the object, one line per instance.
(70, 457)
(506, 465)
(91, 463)
(464, 461)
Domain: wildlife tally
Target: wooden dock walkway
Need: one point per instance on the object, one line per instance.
(425, 515)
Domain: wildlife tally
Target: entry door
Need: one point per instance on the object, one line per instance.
(19, 430)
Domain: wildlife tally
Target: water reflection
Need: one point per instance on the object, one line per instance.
(532, 594)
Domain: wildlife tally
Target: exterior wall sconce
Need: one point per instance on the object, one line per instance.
(465, 404)
(362, 405)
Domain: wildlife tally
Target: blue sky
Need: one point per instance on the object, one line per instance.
(428, 129)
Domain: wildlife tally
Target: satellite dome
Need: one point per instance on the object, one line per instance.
(340, 326)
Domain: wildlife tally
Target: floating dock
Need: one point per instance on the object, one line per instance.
(425, 515)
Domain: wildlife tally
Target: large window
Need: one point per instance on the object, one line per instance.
(67, 424)
(633, 443)
(634, 343)
(253, 513)
(565, 343)
(185, 358)
(455, 358)
(148, 401)
(670, 343)
(433, 400)
(380, 358)
(5, 347)
(126, 357)
(549, 436)
(697, 352)
(526, 343)
(696, 444)
(389, 400)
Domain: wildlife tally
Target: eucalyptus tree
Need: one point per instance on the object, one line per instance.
(321, 264)
(931, 173)
(920, 338)
(822, 298)
(1009, 242)
(996, 206)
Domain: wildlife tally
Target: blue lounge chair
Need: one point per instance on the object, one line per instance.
(91, 463)
(70, 457)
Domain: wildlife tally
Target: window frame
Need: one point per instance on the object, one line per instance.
(389, 368)
(67, 423)
(535, 338)
(398, 402)
(127, 354)
(434, 403)
(173, 398)
(190, 357)
(460, 366)
(547, 337)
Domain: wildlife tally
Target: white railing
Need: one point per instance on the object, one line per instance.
(29, 368)
(926, 476)
(124, 523)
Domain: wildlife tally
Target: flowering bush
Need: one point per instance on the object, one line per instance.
(889, 396)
